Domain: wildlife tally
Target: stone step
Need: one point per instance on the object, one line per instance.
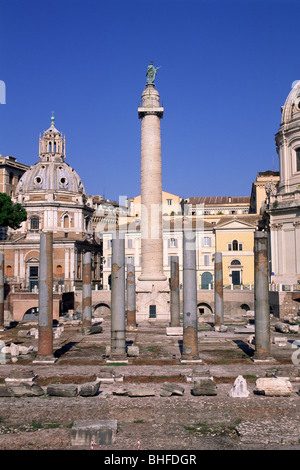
(101, 432)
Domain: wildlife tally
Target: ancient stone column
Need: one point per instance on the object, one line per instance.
(1, 290)
(45, 325)
(190, 335)
(87, 290)
(118, 314)
(150, 114)
(219, 304)
(174, 292)
(261, 297)
(131, 303)
(152, 286)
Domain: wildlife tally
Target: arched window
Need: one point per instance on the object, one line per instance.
(8, 271)
(298, 159)
(235, 245)
(49, 146)
(235, 262)
(66, 221)
(59, 270)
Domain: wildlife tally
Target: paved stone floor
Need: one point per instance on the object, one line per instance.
(174, 423)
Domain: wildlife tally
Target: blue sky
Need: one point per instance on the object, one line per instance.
(226, 69)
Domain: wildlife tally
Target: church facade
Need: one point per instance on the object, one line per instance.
(54, 197)
(283, 199)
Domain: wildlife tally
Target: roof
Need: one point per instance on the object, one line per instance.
(245, 219)
(217, 200)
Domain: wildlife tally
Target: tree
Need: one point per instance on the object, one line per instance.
(11, 215)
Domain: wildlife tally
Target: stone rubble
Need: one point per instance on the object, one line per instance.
(239, 388)
(274, 387)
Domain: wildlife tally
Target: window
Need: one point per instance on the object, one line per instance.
(169, 259)
(49, 146)
(34, 223)
(172, 242)
(298, 158)
(152, 311)
(109, 262)
(235, 246)
(130, 260)
(11, 177)
(66, 221)
(206, 241)
(129, 243)
(33, 277)
(109, 244)
(8, 271)
(59, 270)
(206, 260)
(235, 262)
(169, 202)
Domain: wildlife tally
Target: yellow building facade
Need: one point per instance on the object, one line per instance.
(235, 240)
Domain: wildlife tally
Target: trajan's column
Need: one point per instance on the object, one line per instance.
(152, 285)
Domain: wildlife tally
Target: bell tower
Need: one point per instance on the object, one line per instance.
(52, 146)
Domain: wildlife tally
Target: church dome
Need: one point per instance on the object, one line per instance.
(51, 173)
(291, 108)
(50, 176)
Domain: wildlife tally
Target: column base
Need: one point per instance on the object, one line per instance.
(44, 360)
(149, 278)
(263, 359)
(191, 361)
(153, 301)
(117, 359)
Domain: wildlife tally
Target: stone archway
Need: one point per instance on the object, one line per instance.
(32, 314)
(204, 309)
(101, 310)
(205, 312)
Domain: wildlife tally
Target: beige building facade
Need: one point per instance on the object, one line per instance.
(11, 172)
(233, 235)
